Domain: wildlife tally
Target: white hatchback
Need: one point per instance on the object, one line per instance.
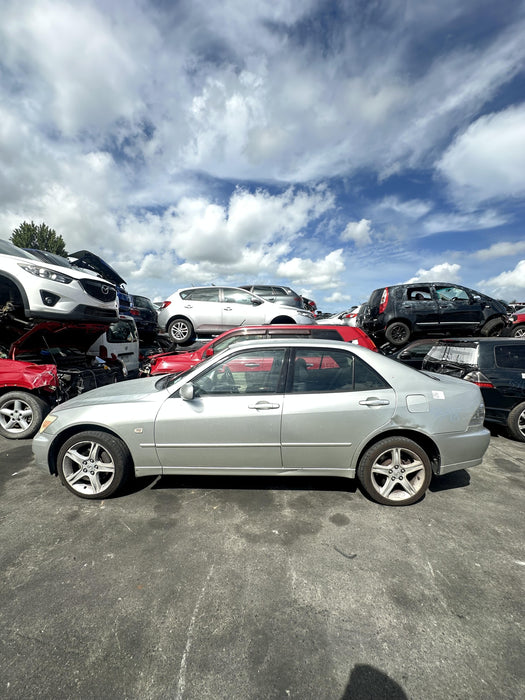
(212, 310)
(38, 289)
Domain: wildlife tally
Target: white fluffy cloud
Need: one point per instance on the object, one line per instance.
(487, 160)
(508, 284)
(443, 272)
(360, 232)
(500, 250)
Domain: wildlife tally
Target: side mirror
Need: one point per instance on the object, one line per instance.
(405, 355)
(256, 302)
(209, 352)
(187, 392)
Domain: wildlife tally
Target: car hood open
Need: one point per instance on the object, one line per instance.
(89, 261)
(56, 334)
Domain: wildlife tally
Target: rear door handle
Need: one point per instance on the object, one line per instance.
(264, 405)
(374, 402)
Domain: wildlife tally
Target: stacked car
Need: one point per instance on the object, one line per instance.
(61, 334)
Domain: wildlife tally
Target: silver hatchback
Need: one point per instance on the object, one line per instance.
(288, 407)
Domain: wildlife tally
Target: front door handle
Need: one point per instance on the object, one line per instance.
(374, 402)
(264, 405)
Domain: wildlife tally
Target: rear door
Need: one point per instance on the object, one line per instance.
(419, 305)
(333, 401)
(203, 307)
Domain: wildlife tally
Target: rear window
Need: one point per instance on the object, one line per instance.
(460, 354)
(510, 356)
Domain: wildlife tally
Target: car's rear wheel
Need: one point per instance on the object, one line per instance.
(93, 464)
(493, 327)
(181, 331)
(398, 333)
(21, 414)
(516, 422)
(517, 331)
(395, 471)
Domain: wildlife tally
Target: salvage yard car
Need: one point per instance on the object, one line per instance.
(398, 313)
(37, 289)
(497, 366)
(211, 310)
(165, 363)
(44, 364)
(290, 407)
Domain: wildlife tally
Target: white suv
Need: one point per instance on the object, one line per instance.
(210, 310)
(41, 290)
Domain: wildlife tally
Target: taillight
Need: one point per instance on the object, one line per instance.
(134, 312)
(480, 379)
(384, 301)
(165, 305)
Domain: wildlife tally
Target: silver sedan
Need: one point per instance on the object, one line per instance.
(284, 407)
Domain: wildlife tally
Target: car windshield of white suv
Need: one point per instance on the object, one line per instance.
(7, 248)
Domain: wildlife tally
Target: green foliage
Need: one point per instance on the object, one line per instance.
(40, 237)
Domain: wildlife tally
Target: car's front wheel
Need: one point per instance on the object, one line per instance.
(395, 471)
(516, 422)
(398, 333)
(21, 414)
(517, 331)
(493, 327)
(93, 464)
(181, 331)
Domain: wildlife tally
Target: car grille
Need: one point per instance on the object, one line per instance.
(96, 313)
(100, 290)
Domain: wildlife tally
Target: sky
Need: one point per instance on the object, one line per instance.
(334, 146)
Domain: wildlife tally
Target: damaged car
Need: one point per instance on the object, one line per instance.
(46, 363)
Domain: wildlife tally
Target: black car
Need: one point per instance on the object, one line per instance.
(412, 354)
(145, 315)
(397, 314)
(497, 366)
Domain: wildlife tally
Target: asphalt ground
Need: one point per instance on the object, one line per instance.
(248, 588)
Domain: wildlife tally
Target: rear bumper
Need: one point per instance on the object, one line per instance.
(461, 450)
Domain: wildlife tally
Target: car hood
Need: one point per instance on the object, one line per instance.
(129, 391)
(56, 334)
(89, 261)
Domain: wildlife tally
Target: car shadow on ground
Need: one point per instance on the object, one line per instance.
(256, 483)
(454, 480)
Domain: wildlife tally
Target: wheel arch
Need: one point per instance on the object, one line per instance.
(7, 280)
(401, 319)
(424, 441)
(282, 319)
(175, 317)
(61, 438)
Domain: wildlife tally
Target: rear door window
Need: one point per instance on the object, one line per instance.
(510, 356)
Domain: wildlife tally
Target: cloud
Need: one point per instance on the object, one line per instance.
(359, 232)
(443, 272)
(509, 284)
(486, 161)
(470, 221)
(323, 274)
(500, 250)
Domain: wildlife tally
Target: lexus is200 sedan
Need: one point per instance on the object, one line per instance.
(277, 407)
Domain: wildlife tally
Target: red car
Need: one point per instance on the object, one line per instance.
(43, 365)
(167, 363)
(517, 328)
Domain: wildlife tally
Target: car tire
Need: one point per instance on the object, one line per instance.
(93, 464)
(398, 334)
(516, 422)
(395, 471)
(181, 331)
(493, 327)
(517, 331)
(21, 414)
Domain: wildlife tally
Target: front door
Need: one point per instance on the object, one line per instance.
(238, 309)
(458, 311)
(233, 422)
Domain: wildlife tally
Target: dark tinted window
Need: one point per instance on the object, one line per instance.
(318, 370)
(204, 294)
(510, 356)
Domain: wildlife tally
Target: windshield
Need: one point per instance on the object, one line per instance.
(7, 248)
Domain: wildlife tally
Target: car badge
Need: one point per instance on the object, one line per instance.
(105, 289)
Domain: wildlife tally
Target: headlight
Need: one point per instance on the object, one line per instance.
(47, 422)
(46, 273)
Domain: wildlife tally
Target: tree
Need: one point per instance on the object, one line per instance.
(40, 237)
